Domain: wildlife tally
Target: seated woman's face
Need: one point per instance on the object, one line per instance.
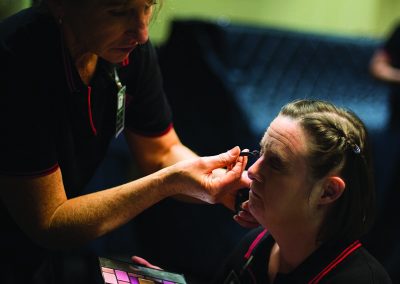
(109, 28)
(280, 188)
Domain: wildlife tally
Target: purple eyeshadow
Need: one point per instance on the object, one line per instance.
(133, 280)
(122, 275)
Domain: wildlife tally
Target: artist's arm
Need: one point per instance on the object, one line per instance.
(154, 153)
(41, 209)
(382, 69)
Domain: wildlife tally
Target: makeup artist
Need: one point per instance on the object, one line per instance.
(76, 74)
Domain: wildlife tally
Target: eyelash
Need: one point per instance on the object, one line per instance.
(274, 166)
(117, 13)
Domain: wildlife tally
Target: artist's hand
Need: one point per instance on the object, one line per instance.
(202, 178)
(142, 261)
(229, 199)
(245, 218)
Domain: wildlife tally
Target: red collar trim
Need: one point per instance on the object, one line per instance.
(255, 243)
(125, 62)
(349, 250)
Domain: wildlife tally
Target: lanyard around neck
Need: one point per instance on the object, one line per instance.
(120, 117)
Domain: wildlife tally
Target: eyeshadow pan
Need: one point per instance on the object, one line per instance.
(133, 280)
(122, 275)
(110, 278)
(106, 269)
(145, 281)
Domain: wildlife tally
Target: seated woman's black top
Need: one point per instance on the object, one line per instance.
(340, 262)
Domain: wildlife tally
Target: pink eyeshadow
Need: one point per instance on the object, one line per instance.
(109, 278)
(106, 269)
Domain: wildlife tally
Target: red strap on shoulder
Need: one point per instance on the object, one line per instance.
(254, 243)
(345, 253)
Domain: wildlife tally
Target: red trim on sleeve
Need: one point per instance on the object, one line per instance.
(159, 134)
(94, 130)
(170, 126)
(33, 174)
(349, 250)
(255, 243)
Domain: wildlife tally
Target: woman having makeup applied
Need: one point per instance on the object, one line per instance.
(78, 73)
(312, 192)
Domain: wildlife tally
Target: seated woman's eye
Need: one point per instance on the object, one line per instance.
(275, 163)
(117, 13)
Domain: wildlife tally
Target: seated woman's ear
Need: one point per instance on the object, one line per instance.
(332, 189)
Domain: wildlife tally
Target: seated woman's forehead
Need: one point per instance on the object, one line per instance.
(111, 2)
(119, 2)
(285, 134)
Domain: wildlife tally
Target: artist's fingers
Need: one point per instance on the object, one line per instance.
(142, 261)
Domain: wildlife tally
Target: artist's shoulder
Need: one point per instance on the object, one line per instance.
(30, 32)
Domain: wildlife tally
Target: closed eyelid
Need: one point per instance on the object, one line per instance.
(152, 2)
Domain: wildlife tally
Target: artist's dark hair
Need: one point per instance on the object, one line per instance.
(338, 140)
(157, 9)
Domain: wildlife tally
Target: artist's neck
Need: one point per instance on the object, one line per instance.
(84, 60)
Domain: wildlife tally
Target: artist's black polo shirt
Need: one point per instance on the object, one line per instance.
(50, 119)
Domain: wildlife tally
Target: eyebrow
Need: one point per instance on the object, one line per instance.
(276, 154)
(114, 3)
(280, 154)
(117, 3)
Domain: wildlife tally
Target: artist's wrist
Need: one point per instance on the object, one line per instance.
(176, 182)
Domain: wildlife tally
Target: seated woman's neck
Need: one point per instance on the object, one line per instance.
(287, 255)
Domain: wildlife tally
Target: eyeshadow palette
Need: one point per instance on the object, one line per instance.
(119, 272)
